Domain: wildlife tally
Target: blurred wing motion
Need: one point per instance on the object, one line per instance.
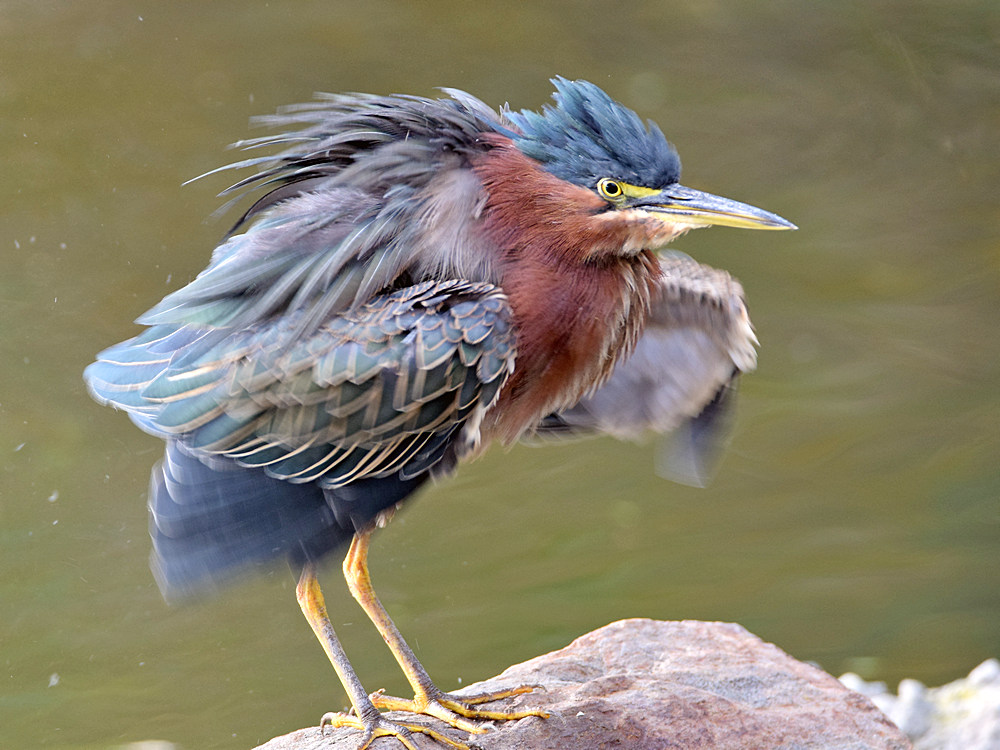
(681, 376)
(352, 416)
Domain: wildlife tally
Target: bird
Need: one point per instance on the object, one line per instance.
(416, 279)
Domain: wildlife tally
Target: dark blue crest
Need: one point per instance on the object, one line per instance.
(587, 135)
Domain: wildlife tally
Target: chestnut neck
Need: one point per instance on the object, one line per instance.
(578, 302)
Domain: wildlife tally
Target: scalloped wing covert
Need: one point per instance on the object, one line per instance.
(369, 392)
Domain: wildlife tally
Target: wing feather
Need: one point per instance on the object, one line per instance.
(680, 376)
(363, 395)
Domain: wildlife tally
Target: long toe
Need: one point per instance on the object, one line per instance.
(427, 707)
(459, 711)
(469, 705)
(380, 726)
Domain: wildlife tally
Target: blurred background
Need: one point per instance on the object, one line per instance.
(854, 521)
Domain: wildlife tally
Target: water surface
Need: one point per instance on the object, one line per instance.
(854, 521)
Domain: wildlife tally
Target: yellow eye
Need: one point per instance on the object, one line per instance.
(610, 189)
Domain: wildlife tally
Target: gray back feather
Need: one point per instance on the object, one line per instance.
(368, 191)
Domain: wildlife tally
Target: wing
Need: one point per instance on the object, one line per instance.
(346, 209)
(368, 393)
(680, 377)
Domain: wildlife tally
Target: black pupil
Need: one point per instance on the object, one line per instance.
(612, 188)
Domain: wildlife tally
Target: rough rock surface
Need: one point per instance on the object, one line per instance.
(962, 715)
(650, 685)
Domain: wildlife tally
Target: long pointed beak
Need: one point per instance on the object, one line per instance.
(681, 205)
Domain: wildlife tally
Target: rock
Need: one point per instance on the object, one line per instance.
(962, 715)
(650, 685)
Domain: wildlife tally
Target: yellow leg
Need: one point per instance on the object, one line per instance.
(367, 717)
(427, 698)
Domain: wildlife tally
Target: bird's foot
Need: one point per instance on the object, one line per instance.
(379, 726)
(458, 710)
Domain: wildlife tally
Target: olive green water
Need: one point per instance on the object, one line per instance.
(854, 521)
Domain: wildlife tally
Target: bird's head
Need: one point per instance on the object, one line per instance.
(621, 173)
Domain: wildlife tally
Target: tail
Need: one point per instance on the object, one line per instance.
(213, 521)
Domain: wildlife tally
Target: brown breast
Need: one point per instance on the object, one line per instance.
(579, 301)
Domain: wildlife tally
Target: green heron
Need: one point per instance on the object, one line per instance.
(420, 278)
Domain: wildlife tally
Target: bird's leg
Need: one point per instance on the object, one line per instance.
(366, 716)
(427, 698)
